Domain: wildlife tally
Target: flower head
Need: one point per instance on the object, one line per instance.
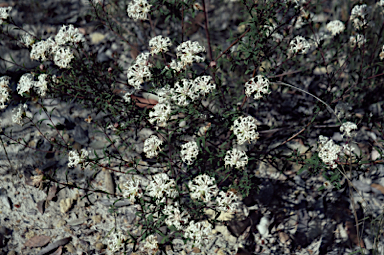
(159, 44)
(245, 129)
(62, 57)
(138, 9)
(151, 243)
(116, 242)
(4, 91)
(161, 185)
(227, 201)
(358, 16)
(347, 127)
(4, 13)
(259, 86)
(203, 187)
(189, 152)
(18, 116)
(137, 74)
(74, 158)
(41, 85)
(26, 82)
(299, 45)
(358, 39)
(236, 158)
(161, 113)
(187, 52)
(198, 232)
(175, 216)
(131, 189)
(335, 27)
(204, 85)
(69, 34)
(151, 145)
(328, 151)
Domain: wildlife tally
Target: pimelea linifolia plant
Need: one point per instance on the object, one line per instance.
(202, 135)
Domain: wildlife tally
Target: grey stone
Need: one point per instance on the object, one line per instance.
(80, 135)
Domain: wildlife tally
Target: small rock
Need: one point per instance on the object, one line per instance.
(108, 182)
(96, 219)
(70, 248)
(61, 223)
(99, 246)
(80, 135)
(96, 37)
(66, 204)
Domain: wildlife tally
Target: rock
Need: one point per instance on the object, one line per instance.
(80, 135)
(99, 246)
(109, 185)
(66, 204)
(96, 37)
(54, 245)
(96, 219)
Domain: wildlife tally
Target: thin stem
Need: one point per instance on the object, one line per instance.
(6, 154)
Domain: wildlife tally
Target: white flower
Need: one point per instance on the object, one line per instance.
(181, 92)
(189, 152)
(42, 49)
(359, 39)
(26, 82)
(138, 9)
(178, 66)
(328, 151)
(203, 84)
(127, 97)
(161, 113)
(4, 13)
(151, 243)
(245, 129)
(203, 187)
(161, 185)
(175, 217)
(131, 189)
(227, 201)
(358, 14)
(199, 232)
(159, 44)
(17, 117)
(260, 86)
(236, 158)
(27, 39)
(74, 158)
(116, 241)
(299, 45)
(137, 74)
(187, 52)
(143, 58)
(4, 91)
(69, 34)
(62, 57)
(151, 145)
(41, 85)
(335, 27)
(347, 127)
(381, 55)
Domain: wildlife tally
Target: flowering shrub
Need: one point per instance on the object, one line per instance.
(202, 102)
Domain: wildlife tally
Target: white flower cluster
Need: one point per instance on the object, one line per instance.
(151, 244)
(62, 55)
(175, 216)
(199, 233)
(160, 114)
(151, 145)
(227, 201)
(335, 27)
(27, 82)
(203, 187)
(358, 39)
(236, 158)
(328, 151)
(381, 55)
(74, 158)
(259, 86)
(18, 116)
(69, 34)
(27, 39)
(138, 9)
(192, 89)
(116, 241)
(159, 44)
(270, 31)
(131, 189)
(161, 185)
(139, 71)
(4, 13)
(187, 53)
(245, 129)
(4, 91)
(127, 97)
(347, 127)
(358, 16)
(299, 45)
(189, 152)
